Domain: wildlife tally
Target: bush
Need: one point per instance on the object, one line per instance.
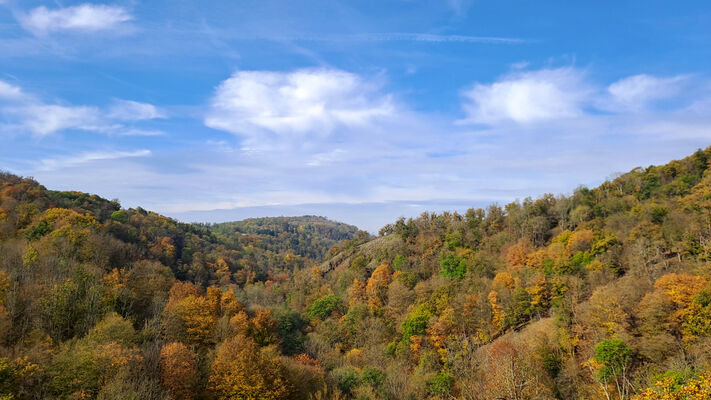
(324, 306)
(372, 377)
(347, 378)
(451, 266)
(441, 384)
(119, 216)
(416, 323)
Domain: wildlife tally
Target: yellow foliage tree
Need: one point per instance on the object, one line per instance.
(242, 372)
(497, 312)
(189, 317)
(681, 288)
(377, 287)
(666, 389)
(504, 280)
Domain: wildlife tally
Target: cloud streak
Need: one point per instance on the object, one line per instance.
(433, 38)
(50, 164)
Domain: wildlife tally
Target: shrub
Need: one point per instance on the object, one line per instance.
(324, 306)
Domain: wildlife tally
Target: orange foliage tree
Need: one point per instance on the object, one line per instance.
(179, 372)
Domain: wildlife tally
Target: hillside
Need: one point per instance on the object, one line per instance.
(605, 293)
(309, 236)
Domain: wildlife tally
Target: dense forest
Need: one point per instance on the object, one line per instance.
(309, 236)
(602, 294)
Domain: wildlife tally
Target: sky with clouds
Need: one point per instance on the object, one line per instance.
(362, 111)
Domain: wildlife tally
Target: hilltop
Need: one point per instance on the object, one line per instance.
(309, 236)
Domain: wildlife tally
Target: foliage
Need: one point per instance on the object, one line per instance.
(452, 266)
(615, 356)
(179, 372)
(324, 306)
(242, 371)
(441, 384)
(589, 295)
(416, 322)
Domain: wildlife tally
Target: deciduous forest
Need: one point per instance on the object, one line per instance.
(601, 294)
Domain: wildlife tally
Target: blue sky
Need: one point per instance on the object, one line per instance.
(362, 111)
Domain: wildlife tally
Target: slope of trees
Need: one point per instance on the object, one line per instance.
(309, 236)
(605, 293)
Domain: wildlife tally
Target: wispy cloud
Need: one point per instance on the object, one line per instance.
(50, 164)
(128, 110)
(388, 37)
(433, 38)
(423, 37)
(26, 113)
(43, 119)
(638, 91)
(81, 18)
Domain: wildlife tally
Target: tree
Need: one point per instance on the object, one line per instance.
(324, 306)
(189, 317)
(668, 389)
(263, 328)
(416, 322)
(377, 287)
(452, 266)
(81, 368)
(242, 371)
(512, 373)
(179, 372)
(613, 356)
(74, 306)
(441, 384)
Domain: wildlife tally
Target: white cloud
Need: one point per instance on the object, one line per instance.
(85, 17)
(309, 102)
(128, 110)
(527, 96)
(43, 119)
(636, 92)
(50, 164)
(25, 113)
(10, 92)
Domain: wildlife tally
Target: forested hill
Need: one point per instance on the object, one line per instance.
(309, 236)
(603, 294)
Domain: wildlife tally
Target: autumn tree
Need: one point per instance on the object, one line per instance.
(377, 287)
(242, 371)
(179, 370)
